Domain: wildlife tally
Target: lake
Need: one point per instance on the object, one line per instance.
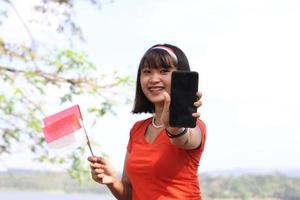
(53, 196)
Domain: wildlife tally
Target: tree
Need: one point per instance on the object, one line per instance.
(33, 69)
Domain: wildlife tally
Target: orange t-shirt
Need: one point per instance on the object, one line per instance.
(161, 170)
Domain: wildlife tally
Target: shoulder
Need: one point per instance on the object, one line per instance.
(137, 125)
(201, 125)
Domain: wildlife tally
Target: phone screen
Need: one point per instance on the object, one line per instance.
(184, 86)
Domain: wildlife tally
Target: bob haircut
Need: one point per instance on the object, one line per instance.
(156, 58)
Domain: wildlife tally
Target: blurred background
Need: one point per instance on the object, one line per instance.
(54, 54)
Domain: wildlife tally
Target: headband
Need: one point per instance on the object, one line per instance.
(167, 49)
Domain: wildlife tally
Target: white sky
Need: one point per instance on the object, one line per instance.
(247, 56)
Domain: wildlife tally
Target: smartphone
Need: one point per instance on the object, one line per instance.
(184, 86)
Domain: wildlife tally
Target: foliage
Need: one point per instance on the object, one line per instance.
(253, 187)
(276, 186)
(38, 74)
(56, 182)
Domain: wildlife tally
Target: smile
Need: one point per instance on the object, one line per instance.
(155, 89)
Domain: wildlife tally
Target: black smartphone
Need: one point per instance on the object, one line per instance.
(184, 86)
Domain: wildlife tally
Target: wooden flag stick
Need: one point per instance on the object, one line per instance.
(87, 138)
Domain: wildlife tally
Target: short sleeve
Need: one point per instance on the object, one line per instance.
(129, 145)
(133, 131)
(202, 127)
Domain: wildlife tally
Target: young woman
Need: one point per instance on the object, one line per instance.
(161, 161)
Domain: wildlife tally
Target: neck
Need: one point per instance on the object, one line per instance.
(158, 111)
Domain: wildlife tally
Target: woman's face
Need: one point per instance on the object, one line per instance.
(155, 81)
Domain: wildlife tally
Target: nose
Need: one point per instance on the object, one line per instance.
(155, 77)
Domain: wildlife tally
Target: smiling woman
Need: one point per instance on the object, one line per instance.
(247, 53)
(161, 161)
(162, 59)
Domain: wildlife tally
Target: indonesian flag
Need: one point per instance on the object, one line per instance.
(64, 130)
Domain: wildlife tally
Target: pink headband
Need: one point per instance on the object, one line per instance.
(167, 49)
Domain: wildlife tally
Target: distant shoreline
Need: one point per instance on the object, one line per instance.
(37, 195)
(231, 184)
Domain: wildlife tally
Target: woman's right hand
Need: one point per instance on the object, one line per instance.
(101, 170)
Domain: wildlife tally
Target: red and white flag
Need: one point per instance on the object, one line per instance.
(64, 131)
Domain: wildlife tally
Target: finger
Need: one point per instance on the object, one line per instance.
(166, 109)
(96, 178)
(94, 158)
(94, 173)
(97, 159)
(199, 94)
(196, 115)
(167, 100)
(99, 171)
(198, 104)
(96, 165)
(102, 160)
(100, 176)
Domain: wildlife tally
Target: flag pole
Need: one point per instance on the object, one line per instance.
(87, 138)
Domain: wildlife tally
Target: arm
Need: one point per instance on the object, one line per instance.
(190, 140)
(121, 189)
(193, 136)
(103, 173)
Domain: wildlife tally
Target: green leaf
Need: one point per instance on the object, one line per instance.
(30, 73)
(2, 98)
(35, 125)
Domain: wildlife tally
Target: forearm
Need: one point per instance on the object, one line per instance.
(191, 139)
(120, 189)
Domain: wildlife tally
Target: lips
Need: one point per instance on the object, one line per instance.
(155, 88)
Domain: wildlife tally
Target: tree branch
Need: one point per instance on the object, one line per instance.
(23, 23)
(54, 78)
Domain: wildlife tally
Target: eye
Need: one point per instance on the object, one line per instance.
(164, 71)
(146, 71)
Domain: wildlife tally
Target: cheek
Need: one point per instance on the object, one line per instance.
(168, 89)
(168, 85)
(143, 84)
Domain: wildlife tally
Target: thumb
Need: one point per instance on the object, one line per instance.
(165, 112)
(167, 101)
(107, 179)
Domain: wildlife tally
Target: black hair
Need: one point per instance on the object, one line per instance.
(155, 58)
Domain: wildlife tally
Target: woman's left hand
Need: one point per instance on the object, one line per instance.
(166, 109)
(197, 104)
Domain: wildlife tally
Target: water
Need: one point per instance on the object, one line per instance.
(51, 196)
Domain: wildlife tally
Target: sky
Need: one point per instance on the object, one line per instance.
(247, 57)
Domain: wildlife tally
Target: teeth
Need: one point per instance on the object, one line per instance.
(155, 89)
